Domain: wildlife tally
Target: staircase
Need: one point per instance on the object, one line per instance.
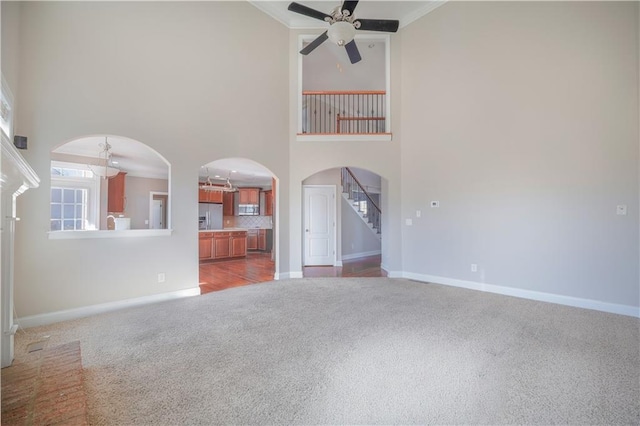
(361, 201)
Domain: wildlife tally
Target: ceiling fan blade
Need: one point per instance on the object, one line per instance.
(315, 43)
(349, 5)
(352, 51)
(307, 11)
(386, 25)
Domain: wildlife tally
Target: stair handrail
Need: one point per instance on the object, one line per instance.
(363, 190)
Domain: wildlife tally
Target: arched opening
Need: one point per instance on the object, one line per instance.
(108, 183)
(342, 223)
(237, 223)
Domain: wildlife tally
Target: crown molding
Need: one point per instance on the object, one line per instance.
(428, 8)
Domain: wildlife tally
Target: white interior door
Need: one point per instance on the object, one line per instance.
(319, 225)
(156, 214)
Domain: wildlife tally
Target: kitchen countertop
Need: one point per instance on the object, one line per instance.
(223, 230)
(228, 229)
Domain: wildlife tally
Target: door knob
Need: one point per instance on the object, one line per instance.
(306, 230)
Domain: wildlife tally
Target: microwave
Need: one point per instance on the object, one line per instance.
(248, 210)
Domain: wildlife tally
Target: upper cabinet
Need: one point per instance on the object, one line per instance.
(268, 203)
(249, 196)
(205, 196)
(227, 204)
(116, 200)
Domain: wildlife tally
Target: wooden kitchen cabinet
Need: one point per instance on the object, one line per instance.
(268, 203)
(252, 239)
(222, 245)
(262, 239)
(116, 200)
(205, 196)
(205, 245)
(221, 248)
(238, 244)
(249, 196)
(227, 204)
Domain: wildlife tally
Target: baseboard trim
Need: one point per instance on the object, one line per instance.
(576, 302)
(288, 275)
(361, 255)
(70, 314)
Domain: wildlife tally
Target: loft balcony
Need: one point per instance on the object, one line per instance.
(350, 115)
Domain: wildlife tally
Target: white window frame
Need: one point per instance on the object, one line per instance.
(92, 185)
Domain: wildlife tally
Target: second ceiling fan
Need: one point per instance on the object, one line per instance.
(343, 26)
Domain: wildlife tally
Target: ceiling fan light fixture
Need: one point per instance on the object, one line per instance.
(341, 33)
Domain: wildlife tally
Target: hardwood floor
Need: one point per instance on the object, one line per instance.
(258, 267)
(363, 267)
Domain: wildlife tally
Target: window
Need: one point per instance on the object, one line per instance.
(74, 197)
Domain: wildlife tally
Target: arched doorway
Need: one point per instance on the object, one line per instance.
(237, 211)
(342, 227)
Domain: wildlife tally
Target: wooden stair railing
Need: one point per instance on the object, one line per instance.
(356, 192)
(344, 112)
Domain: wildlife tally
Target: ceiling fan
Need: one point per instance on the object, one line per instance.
(343, 26)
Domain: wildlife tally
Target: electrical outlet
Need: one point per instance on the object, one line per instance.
(474, 267)
(146, 221)
(161, 277)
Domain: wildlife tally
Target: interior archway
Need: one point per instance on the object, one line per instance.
(237, 200)
(104, 182)
(358, 225)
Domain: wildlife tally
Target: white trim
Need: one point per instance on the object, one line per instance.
(290, 275)
(151, 194)
(385, 137)
(70, 314)
(361, 255)
(338, 263)
(429, 7)
(374, 137)
(577, 302)
(126, 233)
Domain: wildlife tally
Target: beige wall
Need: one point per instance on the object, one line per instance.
(521, 118)
(137, 193)
(175, 76)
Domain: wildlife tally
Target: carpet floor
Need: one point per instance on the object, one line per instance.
(355, 351)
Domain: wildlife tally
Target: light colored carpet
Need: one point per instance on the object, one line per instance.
(356, 350)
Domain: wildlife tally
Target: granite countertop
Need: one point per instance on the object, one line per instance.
(229, 229)
(223, 230)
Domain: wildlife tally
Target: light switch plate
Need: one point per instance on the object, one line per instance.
(621, 209)
(435, 204)
(418, 213)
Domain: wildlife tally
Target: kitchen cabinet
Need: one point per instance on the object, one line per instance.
(227, 203)
(238, 244)
(205, 245)
(252, 239)
(116, 200)
(249, 196)
(222, 245)
(268, 203)
(257, 239)
(205, 196)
